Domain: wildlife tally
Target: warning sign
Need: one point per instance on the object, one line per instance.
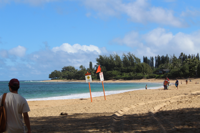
(88, 78)
(101, 76)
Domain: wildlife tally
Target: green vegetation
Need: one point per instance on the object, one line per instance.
(130, 67)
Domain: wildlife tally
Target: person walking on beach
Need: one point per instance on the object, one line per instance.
(168, 82)
(165, 83)
(16, 105)
(146, 87)
(176, 83)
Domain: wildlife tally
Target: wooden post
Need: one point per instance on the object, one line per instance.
(89, 79)
(104, 91)
(90, 91)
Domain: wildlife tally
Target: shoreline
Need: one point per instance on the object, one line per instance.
(69, 97)
(94, 94)
(111, 81)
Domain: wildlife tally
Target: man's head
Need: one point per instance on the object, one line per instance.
(14, 84)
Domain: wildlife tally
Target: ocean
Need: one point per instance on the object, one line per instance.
(37, 90)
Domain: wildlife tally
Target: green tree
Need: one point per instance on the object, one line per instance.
(101, 60)
(81, 73)
(111, 62)
(198, 69)
(69, 72)
(131, 59)
(157, 61)
(91, 69)
(130, 67)
(118, 62)
(197, 57)
(176, 63)
(174, 73)
(185, 70)
(126, 62)
(144, 68)
(55, 75)
(90, 65)
(152, 62)
(136, 59)
(68, 68)
(52, 75)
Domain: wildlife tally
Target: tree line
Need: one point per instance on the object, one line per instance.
(130, 67)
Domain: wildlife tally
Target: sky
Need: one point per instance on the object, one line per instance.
(40, 36)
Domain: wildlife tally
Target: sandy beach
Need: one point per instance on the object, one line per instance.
(158, 110)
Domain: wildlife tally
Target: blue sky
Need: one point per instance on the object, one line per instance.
(40, 36)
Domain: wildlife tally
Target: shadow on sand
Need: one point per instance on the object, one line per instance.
(174, 121)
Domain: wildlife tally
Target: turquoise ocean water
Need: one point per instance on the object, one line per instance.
(37, 90)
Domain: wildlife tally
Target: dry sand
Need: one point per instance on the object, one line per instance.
(173, 110)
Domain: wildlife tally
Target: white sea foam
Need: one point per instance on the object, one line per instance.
(32, 80)
(87, 95)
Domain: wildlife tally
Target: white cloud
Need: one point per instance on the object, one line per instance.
(130, 39)
(158, 37)
(159, 15)
(160, 42)
(76, 48)
(46, 61)
(138, 11)
(190, 13)
(185, 43)
(144, 51)
(18, 51)
(3, 53)
(40, 64)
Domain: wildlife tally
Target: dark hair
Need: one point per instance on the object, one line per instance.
(14, 84)
(14, 87)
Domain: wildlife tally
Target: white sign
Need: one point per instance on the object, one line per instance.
(101, 76)
(88, 78)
